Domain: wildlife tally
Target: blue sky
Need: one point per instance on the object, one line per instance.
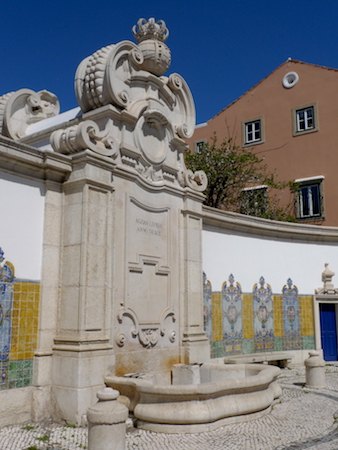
(221, 48)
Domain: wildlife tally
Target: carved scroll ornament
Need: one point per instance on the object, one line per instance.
(86, 135)
(148, 334)
(24, 107)
(198, 181)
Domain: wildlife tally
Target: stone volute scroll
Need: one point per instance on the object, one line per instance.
(24, 107)
(85, 135)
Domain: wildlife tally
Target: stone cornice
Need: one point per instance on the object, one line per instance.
(216, 219)
(20, 159)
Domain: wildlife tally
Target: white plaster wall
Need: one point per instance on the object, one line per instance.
(21, 225)
(248, 258)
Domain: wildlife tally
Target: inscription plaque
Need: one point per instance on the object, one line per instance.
(148, 261)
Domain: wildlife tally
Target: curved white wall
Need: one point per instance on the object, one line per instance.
(249, 256)
(21, 225)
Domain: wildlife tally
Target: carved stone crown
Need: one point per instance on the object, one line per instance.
(150, 30)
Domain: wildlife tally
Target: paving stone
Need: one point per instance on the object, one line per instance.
(303, 419)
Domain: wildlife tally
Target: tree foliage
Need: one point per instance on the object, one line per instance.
(231, 172)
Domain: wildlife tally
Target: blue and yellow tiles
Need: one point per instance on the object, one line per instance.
(232, 329)
(6, 305)
(262, 305)
(19, 315)
(260, 321)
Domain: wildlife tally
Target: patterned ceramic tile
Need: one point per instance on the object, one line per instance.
(306, 315)
(19, 315)
(279, 344)
(248, 346)
(245, 323)
(291, 315)
(6, 305)
(278, 315)
(207, 306)
(263, 317)
(248, 330)
(232, 316)
(308, 342)
(217, 316)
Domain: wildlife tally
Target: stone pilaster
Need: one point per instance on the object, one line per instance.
(82, 350)
(195, 342)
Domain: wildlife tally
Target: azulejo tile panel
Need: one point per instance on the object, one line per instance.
(292, 339)
(232, 316)
(262, 306)
(6, 304)
(259, 321)
(19, 315)
(207, 306)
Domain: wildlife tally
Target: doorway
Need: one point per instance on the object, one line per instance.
(328, 327)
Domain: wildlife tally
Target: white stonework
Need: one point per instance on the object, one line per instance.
(107, 422)
(315, 371)
(22, 108)
(121, 258)
(202, 398)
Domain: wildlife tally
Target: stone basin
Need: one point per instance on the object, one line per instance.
(201, 397)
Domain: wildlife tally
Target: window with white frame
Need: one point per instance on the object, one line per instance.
(254, 200)
(305, 119)
(252, 131)
(310, 198)
(199, 145)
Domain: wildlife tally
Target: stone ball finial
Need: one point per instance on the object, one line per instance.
(150, 36)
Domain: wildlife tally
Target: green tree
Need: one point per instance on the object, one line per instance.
(233, 176)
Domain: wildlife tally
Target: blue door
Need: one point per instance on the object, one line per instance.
(328, 331)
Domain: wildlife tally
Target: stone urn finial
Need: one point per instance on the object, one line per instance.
(327, 276)
(328, 287)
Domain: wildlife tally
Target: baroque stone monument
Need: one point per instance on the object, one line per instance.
(121, 289)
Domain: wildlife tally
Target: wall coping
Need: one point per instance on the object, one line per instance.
(22, 160)
(218, 220)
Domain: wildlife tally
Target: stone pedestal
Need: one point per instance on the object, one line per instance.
(107, 422)
(315, 371)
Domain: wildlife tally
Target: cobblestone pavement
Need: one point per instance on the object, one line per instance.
(304, 419)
